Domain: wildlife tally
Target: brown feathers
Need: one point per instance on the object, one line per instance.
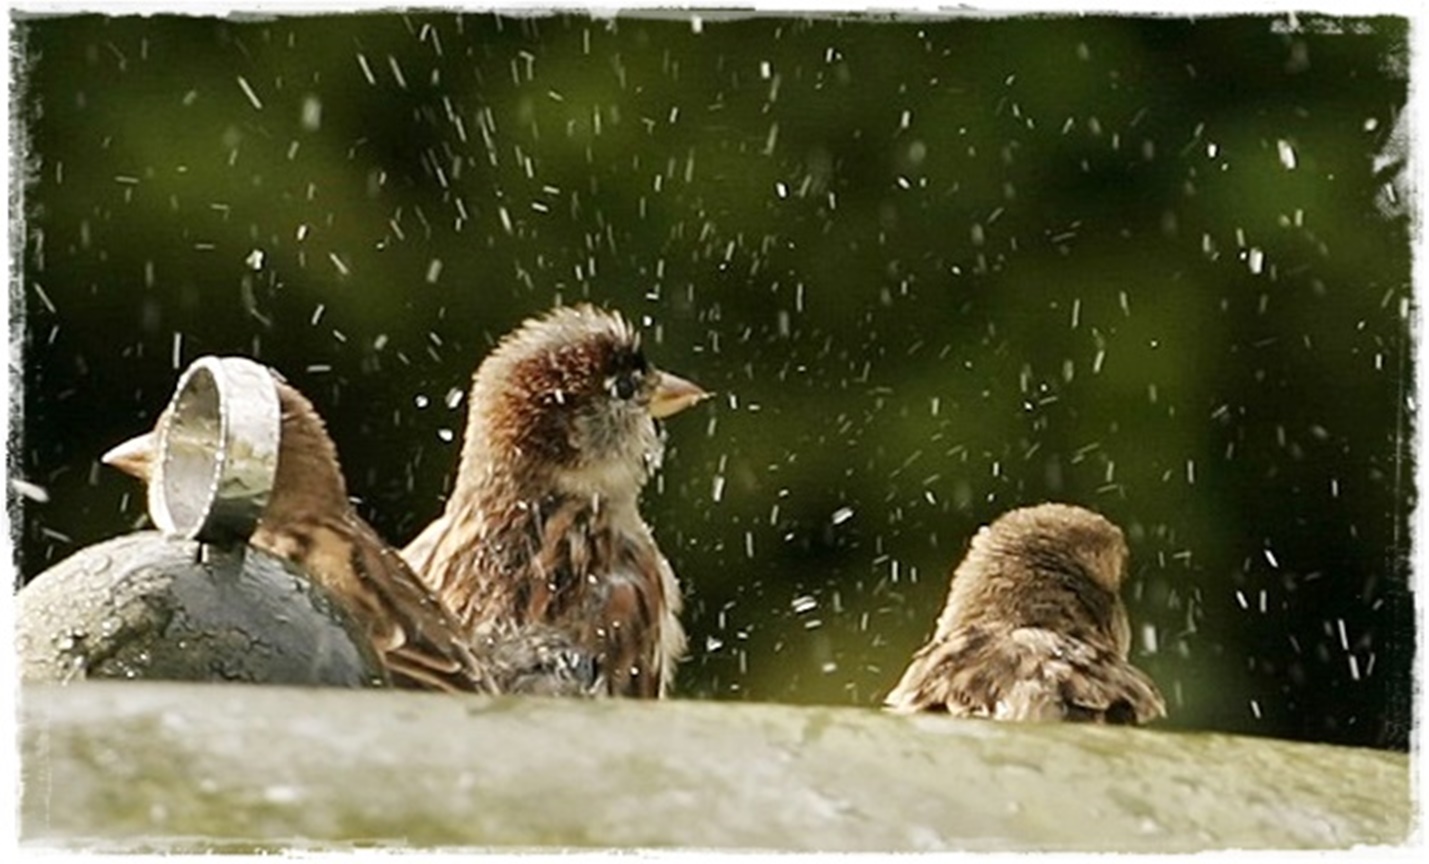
(543, 527)
(1034, 628)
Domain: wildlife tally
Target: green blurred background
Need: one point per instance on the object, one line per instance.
(935, 269)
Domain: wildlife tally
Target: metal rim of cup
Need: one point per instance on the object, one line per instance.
(217, 451)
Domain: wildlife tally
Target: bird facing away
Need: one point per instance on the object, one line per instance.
(1034, 627)
(543, 526)
(310, 521)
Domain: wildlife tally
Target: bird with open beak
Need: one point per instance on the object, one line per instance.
(543, 523)
(309, 521)
(1034, 627)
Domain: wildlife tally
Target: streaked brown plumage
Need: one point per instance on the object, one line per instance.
(1034, 627)
(542, 526)
(310, 521)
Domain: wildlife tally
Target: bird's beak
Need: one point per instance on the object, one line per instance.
(134, 457)
(674, 394)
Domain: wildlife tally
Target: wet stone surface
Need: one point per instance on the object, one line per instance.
(159, 766)
(143, 606)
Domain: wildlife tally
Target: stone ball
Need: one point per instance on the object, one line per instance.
(145, 606)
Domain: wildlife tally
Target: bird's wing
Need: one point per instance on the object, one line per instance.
(632, 621)
(435, 654)
(420, 642)
(606, 585)
(1025, 673)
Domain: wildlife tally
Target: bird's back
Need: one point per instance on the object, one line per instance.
(1025, 673)
(420, 643)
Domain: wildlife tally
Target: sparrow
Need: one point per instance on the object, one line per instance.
(310, 521)
(542, 526)
(1034, 627)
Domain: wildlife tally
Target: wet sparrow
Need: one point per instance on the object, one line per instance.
(310, 521)
(542, 526)
(1034, 628)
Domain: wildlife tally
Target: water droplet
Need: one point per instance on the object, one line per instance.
(1287, 154)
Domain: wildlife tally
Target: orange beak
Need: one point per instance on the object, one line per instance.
(674, 394)
(134, 457)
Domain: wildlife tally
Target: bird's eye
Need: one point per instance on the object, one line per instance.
(623, 386)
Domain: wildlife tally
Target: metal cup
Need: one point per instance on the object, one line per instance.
(217, 452)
